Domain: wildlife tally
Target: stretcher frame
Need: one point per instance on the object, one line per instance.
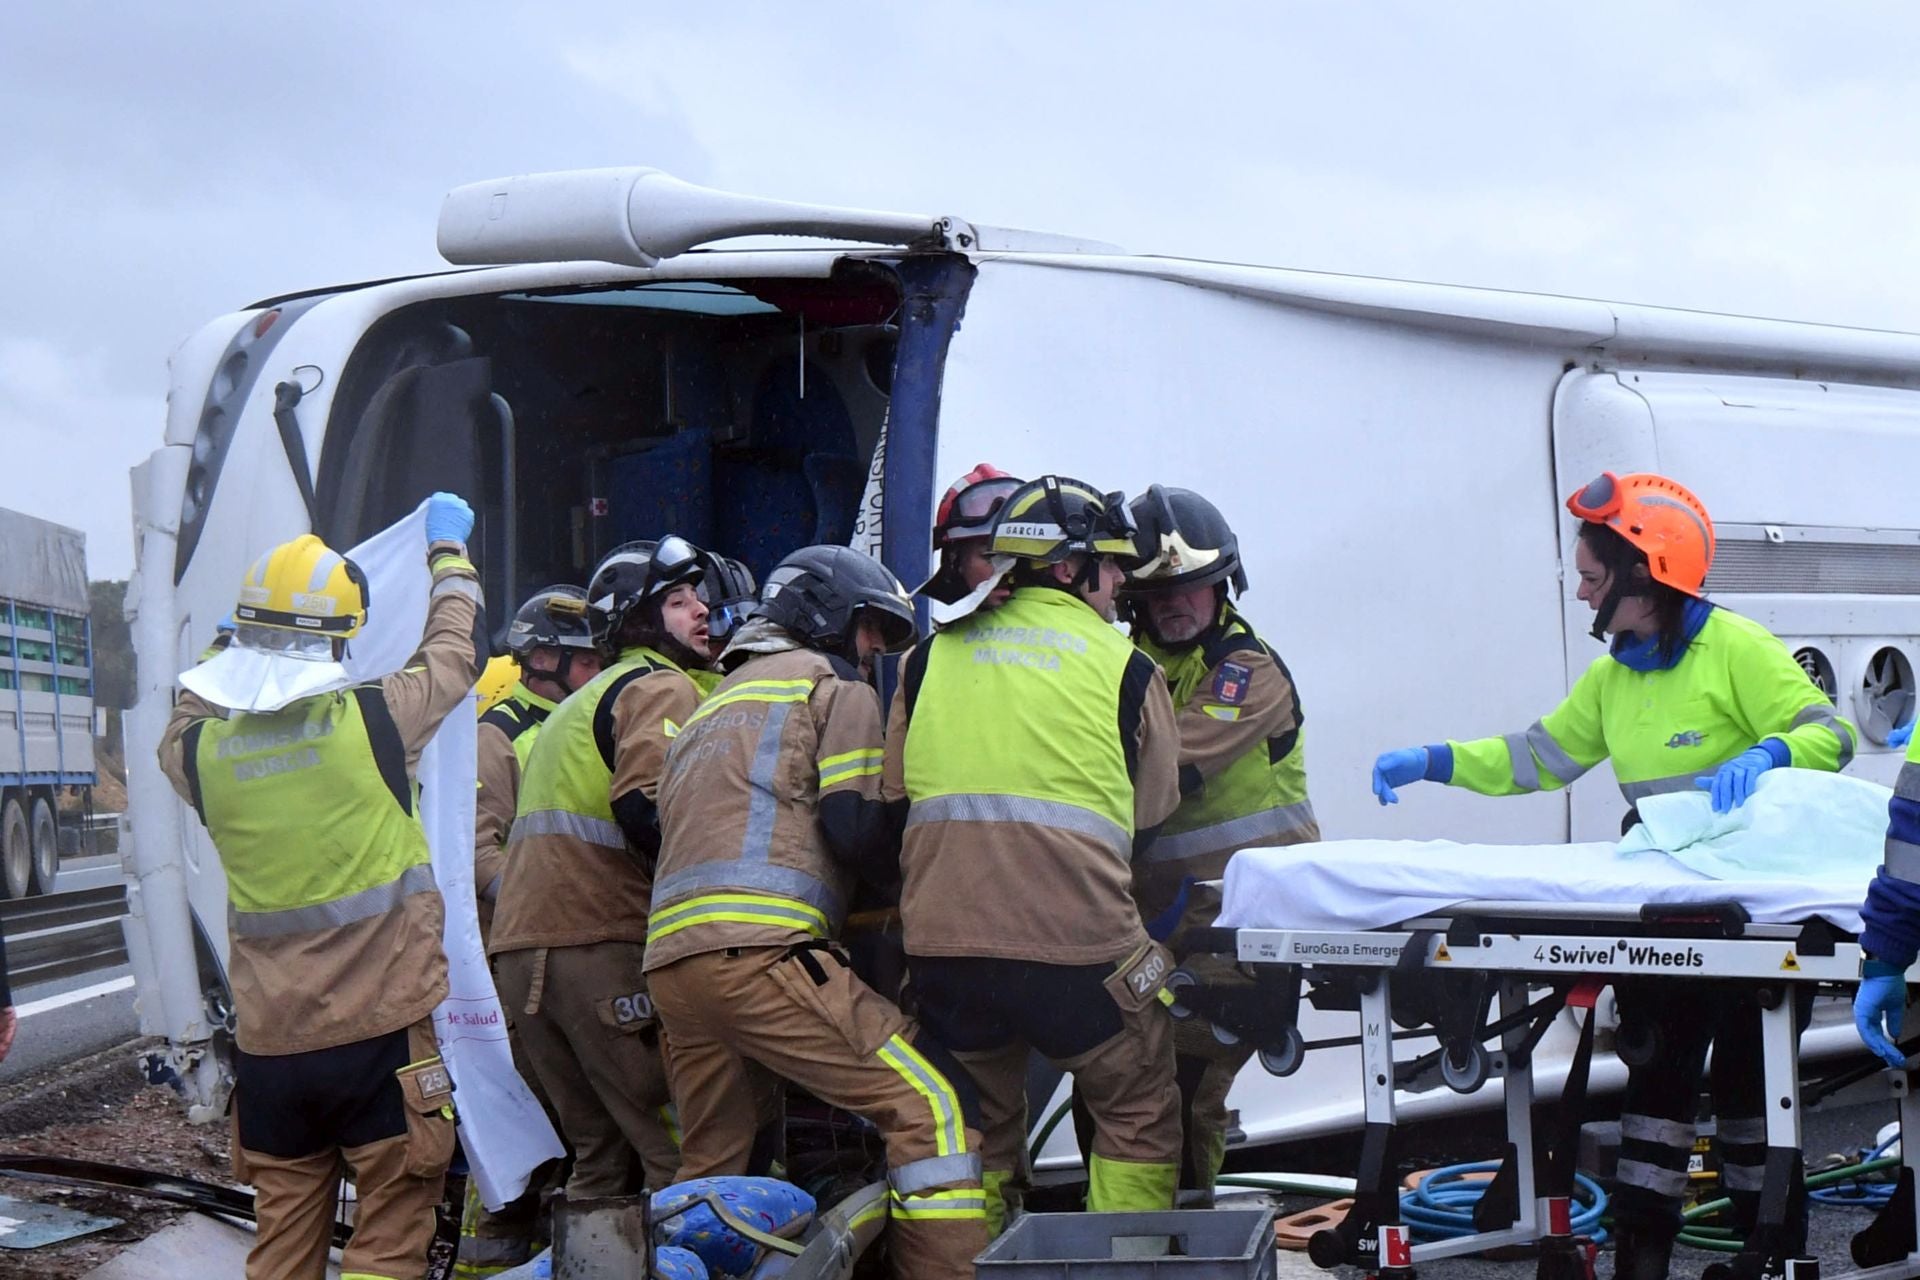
(1578, 948)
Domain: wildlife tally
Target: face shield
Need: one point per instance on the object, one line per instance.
(267, 668)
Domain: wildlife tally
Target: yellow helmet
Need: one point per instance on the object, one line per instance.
(496, 681)
(1053, 517)
(304, 586)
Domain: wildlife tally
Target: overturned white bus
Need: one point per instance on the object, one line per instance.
(1392, 454)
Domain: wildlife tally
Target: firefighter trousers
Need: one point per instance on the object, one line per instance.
(585, 1024)
(495, 1240)
(993, 1012)
(379, 1110)
(802, 1014)
(1676, 1022)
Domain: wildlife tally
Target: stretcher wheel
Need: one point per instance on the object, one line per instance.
(1224, 1035)
(1636, 1044)
(1285, 1060)
(1326, 1249)
(1468, 1076)
(1177, 981)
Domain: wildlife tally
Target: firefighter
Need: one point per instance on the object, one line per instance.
(1688, 696)
(770, 809)
(1243, 776)
(728, 590)
(553, 651)
(570, 926)
(307, 788)
(1038, 750)
(961, 524)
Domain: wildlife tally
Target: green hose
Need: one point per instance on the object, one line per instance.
(1723, 1240)
(1046, 1130)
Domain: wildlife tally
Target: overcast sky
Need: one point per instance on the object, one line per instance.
(164, 164)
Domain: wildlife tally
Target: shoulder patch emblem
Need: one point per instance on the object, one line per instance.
(1230, 683)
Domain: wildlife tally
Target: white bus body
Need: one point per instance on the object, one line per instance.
(1392, 455)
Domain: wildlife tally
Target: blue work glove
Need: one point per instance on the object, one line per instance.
(1881, 1002)
(1901, 736)
(1733, 782)
(1397, 769)
(449, 518)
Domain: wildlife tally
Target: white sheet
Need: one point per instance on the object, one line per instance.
(1824, 826)
(504, 1131)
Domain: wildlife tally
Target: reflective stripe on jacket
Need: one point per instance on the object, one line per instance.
(1735, 685)
(314, 818)
(1258, 797)
(1036, 742)
(743, 859)
(571, 878)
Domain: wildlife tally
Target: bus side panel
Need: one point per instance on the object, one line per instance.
(1392, 490)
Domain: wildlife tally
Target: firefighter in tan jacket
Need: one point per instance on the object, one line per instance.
(307, 790)
(570, 923)
(770, 809)
(1243, 780)
(1037, 749)
(556, 652)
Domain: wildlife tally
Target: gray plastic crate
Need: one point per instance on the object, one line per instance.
(1200, 1244)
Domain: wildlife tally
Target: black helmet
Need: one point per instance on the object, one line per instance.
(636, 572)
(819, 594)
(553, 617)
(1049, 519)
(1186, 540)
(728, 590)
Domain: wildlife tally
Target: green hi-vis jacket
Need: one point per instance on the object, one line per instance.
(1735, 685)
(1033, 743)
(571, 878)
(1243, 772)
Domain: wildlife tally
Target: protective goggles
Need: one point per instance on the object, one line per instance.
(1090, 528)
(1599, 501)
(674, 560)
(970, 512)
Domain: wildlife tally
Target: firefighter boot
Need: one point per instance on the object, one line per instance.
(1642, 1253)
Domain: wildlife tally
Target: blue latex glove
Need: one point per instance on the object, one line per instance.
(1397, 769)
(1881, 1002)
(449, 518)
(1901, 736)
(1733, 782)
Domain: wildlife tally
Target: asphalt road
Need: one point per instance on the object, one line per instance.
(69, 1019)
(73, 1017)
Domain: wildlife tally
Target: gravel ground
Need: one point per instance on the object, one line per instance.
(98, 1108)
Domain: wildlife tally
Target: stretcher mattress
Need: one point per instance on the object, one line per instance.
(1804, 847)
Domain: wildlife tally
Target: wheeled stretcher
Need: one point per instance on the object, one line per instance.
(1488, 977)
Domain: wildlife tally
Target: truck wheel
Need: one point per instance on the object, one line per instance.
(16, 849)
(46, 847)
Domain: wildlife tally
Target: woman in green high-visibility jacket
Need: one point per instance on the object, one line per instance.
(1688, 696)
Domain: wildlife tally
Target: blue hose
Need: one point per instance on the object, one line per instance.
(1859, 1193)
(1441, 1207)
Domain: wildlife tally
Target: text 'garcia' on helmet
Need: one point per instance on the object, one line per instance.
(1051, 518)
(1186, 542)
(820, 595)
(552, 617)
(305, 586)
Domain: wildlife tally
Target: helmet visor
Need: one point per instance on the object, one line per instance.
(1599, 499)
(970, 512)
(674, 560)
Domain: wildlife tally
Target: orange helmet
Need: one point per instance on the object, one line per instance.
(1659, 517)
